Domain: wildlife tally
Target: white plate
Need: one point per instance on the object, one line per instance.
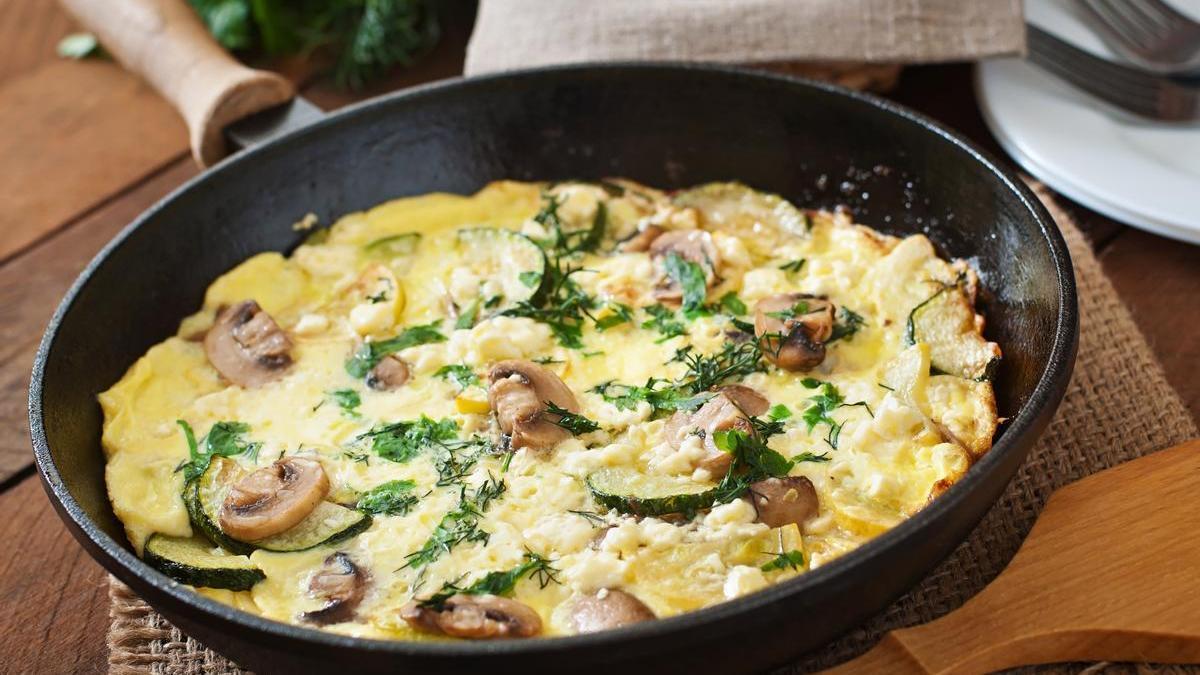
(1138, 172)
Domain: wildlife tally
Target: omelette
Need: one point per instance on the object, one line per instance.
(548, 409)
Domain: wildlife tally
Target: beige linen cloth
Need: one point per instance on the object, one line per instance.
(1118, 406)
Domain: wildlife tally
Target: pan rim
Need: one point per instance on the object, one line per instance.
(1042, 400)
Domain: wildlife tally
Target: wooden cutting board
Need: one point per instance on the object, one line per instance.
(1110, 572)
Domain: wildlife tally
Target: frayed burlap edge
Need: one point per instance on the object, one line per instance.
(1117, 407)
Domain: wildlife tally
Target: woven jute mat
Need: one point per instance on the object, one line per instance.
(1118, 407)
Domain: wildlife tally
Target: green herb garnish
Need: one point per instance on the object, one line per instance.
(779, 412)
(498, 583)
(664, 321)
(224, 439)
(620, 314)
(346, 399)
(393, 498)
(691, 280)
(573, 422)
(401, 441)
(790, 559)
(369, 354)
(848, 323)
(793, 266)
(731, 303)
(459, 374)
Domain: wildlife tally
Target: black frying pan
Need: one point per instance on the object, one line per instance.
(667, 126)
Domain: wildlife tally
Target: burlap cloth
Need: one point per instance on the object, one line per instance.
(1117, 407)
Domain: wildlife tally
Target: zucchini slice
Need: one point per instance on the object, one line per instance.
(510, 258)
(946, 322)
(628, 491)
(765, 220)
(192, 561)
(328, 523)
(395, 246)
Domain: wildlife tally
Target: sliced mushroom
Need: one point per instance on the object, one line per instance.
(389, 374)
(641, 240)
(246, 346)
(691, 245)
(606, 609)
(273, 499)
(783, 501)
(518, 391)
(479, 617)
(792, 329)
(341, 584)
(731, 408)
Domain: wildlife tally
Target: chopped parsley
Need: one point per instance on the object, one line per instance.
(731, 303)
(848, 323)
(620, 314)
(467, 317)
(530, 278)
(691, 280)
(393, 498)
(224, 439)
(793, 266)
(779, 412)
(369, 354)
(660, 394)
(664, 321)
(705, 371)
(459, 525)
(534, 566)
(459, 374)
(346, 399)
(573, 422)
(752, 461)
(789, 559)
(401, 441)
(821, 407)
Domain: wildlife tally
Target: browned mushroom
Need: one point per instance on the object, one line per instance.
(246, 346)
(792, 329)
(691, 245)
(606, 609)
(731, 408)
(389, 374)
(783, 501)
(518, 392)
(480, 617)
(641, 240)
(341, 584)
(273, 499)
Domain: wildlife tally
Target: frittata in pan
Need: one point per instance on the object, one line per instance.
(548, 409)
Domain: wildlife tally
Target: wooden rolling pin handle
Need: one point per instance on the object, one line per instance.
(165, 42)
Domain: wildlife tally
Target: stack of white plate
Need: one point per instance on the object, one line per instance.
(1142, 173)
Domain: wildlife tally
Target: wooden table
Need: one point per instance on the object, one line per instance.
(84, 148)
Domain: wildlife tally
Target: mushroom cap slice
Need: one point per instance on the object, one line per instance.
(518, 391)
(606, 609)
(692, 245)
(479, 617)
(731, 408)
(341, 584)
(642, 239)
(246, 346)
(389, 374)
(273, 499)
(783, 501)
(792, 329)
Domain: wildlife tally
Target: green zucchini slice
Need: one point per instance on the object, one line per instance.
(192, 561)
(946, 322)
(627, 491)
(328, 523)
(508, 257)
(395, 246)
(766, 220)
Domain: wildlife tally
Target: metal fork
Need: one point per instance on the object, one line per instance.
(1128, 88)
(1150, 33)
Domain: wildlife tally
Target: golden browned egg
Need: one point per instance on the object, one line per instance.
(541, 398)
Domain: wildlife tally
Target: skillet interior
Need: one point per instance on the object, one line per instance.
(662, 125)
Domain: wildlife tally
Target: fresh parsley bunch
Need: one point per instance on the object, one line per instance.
(366, 38)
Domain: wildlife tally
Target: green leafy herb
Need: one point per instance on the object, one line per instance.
(793, 266)
(810, 457)
(565, 305)
(224, 439)
(369, 354)
(691, 280)
(790, 559)
(467, 317)
(590, 516)
(530, 278)
(821, 406)
(664, 321)
(459, 374)
(779, 412)
(847, 324)
(662, 396)
(346, 399)
(573, 422)
(731, 303)
(365, 37)
(393, 498)
(752, 461)
(401, 441)
(734, 361)
(498, 583)
(459, 525)
(620, 314)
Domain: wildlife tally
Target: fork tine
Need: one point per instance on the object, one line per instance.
(1120, 86)
(1124, 18)
(1144, 16)
(1164, 12)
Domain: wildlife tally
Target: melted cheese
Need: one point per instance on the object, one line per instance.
(915, 435)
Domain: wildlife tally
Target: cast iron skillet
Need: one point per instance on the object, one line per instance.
(668, 126)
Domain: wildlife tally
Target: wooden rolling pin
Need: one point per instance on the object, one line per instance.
(1110, 572)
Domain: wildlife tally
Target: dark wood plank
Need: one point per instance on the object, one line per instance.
(32, 285)
(53, 597)
(76, 133)
(1159, 280)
